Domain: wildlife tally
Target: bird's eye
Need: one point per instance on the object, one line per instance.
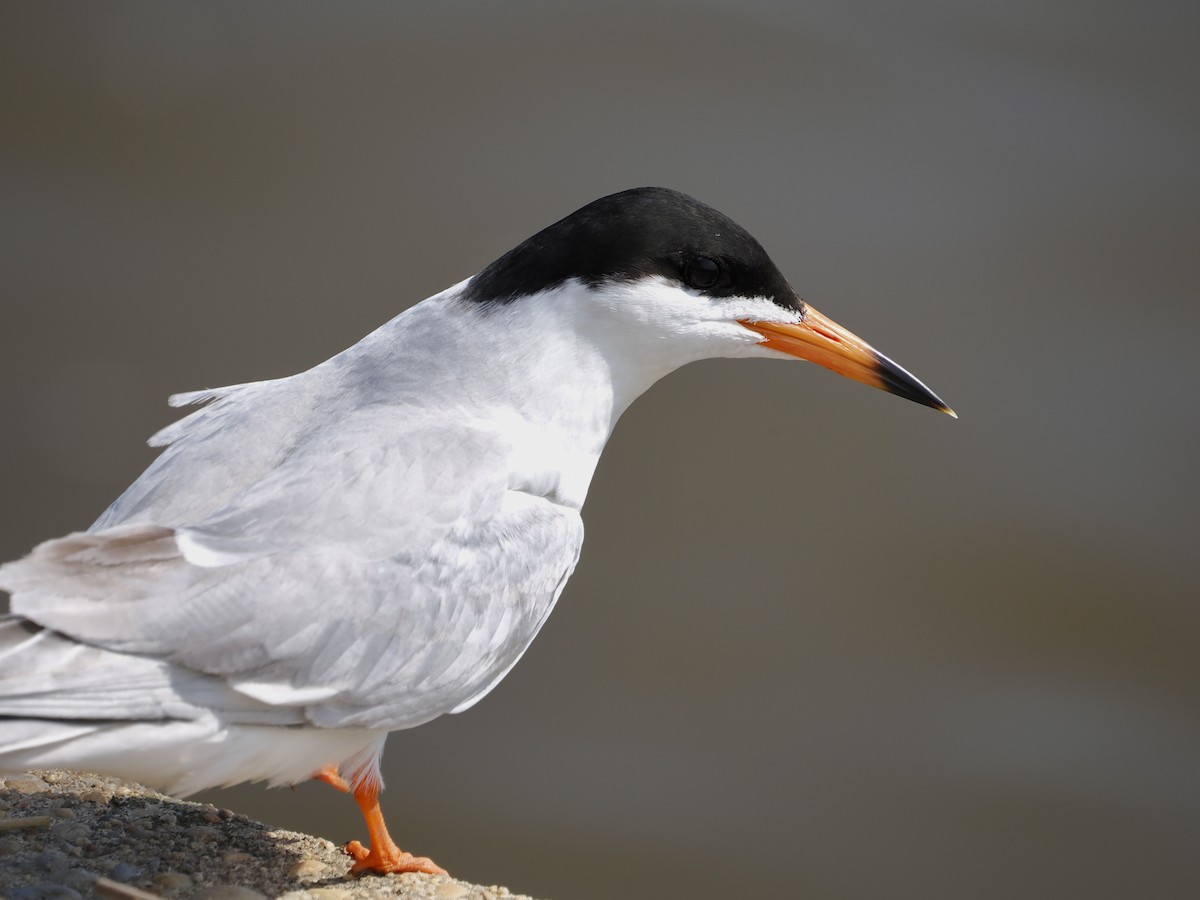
(701, 272)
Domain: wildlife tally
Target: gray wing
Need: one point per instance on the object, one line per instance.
(371, 570)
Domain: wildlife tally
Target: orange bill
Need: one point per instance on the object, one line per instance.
(819, 339)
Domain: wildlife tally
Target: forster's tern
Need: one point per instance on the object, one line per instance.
(315, 561)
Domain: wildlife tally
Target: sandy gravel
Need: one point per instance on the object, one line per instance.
(65, 836)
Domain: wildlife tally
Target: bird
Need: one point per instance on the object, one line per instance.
(315, 561)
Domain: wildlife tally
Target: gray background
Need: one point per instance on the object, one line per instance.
(822, 642)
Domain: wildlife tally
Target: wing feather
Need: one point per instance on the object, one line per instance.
(374, 572)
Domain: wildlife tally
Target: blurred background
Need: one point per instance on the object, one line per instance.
(822, 642)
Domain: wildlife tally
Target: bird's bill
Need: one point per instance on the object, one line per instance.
(819, 339)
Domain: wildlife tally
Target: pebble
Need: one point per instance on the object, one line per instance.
(172, 883)
(50, 860)
(123, 871)
(236, 856)
(73, 834)
(95, 797)
(81, 880)
(204, 833)
(450, 891)
(308, 868)
(26, 784)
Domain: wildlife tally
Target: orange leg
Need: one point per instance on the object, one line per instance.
(333, 778)
(384, 856)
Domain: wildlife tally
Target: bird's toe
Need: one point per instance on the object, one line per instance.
(392, 859)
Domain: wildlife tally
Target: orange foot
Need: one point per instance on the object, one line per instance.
(392, 859)
(384, 856)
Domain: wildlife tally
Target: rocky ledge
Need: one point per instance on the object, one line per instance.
(64, 836)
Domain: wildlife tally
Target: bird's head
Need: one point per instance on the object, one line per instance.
(689, 281)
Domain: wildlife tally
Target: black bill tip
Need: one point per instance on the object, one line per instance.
(895, 379)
